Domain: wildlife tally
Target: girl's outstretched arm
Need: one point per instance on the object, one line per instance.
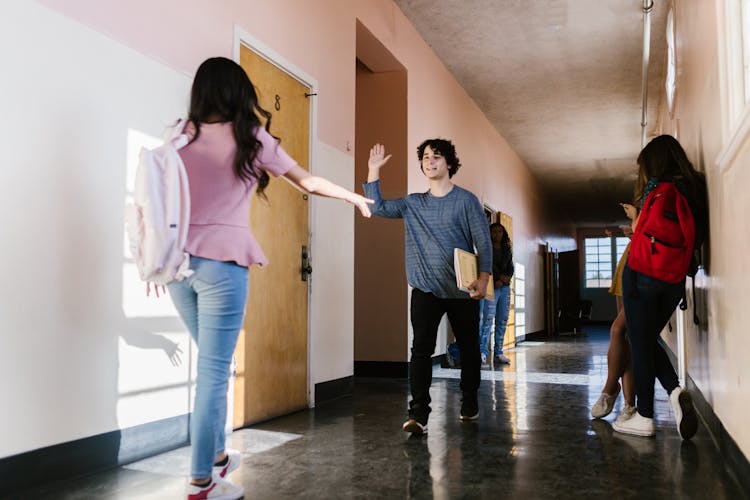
(313, 184)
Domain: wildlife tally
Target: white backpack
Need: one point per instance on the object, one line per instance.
(159, 217)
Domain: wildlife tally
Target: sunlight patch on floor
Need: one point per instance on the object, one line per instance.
(247, 441)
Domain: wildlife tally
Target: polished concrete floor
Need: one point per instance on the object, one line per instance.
(534, 439)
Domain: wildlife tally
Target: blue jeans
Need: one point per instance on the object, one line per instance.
(649, 303)
(496, 310)
(211, 303)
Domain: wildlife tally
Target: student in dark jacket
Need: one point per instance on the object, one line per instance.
(495, 311)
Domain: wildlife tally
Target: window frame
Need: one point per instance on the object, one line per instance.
(733, 19)
(617, 245)
(519, 306)
(670, 80)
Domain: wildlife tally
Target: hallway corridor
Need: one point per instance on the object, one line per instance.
(534, 439)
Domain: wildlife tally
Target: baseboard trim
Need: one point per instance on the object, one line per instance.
(92, 454)
(735, 461)
(334, 389)
(387, 369)
(538, 336)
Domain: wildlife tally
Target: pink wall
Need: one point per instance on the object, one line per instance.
(380, 288)
(182, 34)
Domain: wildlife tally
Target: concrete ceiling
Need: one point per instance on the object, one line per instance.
(561, 81)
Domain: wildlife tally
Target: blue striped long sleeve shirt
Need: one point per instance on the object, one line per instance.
(434, 226)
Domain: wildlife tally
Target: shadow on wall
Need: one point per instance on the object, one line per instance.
(136, 376)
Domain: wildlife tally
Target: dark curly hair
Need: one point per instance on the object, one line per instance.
(223, 92)
(446, 149)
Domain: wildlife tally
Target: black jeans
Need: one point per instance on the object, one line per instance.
(426, 312)
(649, 303)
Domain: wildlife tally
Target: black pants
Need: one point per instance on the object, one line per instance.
(649, 303)
(426, 312)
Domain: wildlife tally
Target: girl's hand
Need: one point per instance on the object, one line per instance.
(630, 210)
(362, 203)
(377, 157)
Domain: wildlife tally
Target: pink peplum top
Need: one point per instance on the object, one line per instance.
(219, 200)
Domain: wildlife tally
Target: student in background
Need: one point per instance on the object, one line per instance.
(648, 301)
(438, 221)
(230, 153)
(497, 310)
(619, 365)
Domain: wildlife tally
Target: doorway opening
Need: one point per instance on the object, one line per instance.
(380, 289)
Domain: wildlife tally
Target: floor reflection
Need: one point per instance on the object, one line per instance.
(534, 439)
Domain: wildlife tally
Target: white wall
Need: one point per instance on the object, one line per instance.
(717, 351)
(74, 363)
(332, 298)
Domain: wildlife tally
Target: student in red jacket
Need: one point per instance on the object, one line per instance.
(649, 301)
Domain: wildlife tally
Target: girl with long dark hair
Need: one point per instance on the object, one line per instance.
(228, 156)
(649, 302)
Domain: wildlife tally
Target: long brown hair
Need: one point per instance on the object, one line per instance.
(664, 159)
(223, 92)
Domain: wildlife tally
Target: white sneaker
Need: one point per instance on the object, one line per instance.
(502, 359)
(218, 489)
(484, 359)
(684, 412)
(637, 425)
(233, 462)
(626, 413)
(604, 404)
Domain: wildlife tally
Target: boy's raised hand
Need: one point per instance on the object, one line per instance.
(378, 157)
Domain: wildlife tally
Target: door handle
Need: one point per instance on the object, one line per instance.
(305, 267)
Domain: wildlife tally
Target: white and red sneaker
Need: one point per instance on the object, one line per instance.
(217, 489)
(234, 459)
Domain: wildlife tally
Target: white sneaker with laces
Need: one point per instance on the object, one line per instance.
(604, 404)
(637, 425)
(218, 489)
(233, 462)
(626, 413)
(684, 412)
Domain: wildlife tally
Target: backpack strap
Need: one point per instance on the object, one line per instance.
(176, 134)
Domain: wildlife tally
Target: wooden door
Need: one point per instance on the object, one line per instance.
(272, 354)
(510, 331)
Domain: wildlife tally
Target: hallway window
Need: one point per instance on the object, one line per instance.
(600, 260)
(736, 70)
(519, 286)
(598, 263)
(621, 243)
